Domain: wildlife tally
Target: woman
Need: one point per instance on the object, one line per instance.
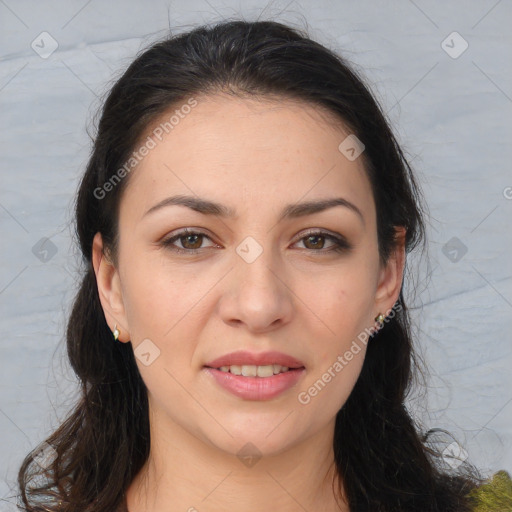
(240, 334)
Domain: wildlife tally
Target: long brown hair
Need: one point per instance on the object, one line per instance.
(380, 456)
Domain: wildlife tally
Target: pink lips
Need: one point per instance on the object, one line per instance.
(242, 357)
(256, 388)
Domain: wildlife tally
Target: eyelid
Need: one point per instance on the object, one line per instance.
(340, 243)
(168, 240)
(319, 231)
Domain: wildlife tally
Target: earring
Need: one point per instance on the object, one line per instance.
(380, 319)
(116, 332)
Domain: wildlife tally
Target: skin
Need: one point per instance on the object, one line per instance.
(297, 297)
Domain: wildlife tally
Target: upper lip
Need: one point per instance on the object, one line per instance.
(242, 357)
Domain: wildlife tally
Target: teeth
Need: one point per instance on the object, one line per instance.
(253, 371)
(265, 371)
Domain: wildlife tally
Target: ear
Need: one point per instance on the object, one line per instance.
(391, 275)
(109, 289)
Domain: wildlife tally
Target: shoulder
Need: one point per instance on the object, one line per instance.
(494, 495)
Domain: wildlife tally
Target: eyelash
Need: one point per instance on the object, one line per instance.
(340, 244)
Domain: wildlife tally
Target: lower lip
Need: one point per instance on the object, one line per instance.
(256, 388)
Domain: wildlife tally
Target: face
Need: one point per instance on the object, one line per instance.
(263, 275)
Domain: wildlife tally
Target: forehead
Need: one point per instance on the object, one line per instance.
(237, 150)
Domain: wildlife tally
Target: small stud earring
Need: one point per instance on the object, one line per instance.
(116, 332)
(380, 318)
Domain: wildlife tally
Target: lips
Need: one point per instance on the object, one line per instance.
(242, 357)
(256, 388)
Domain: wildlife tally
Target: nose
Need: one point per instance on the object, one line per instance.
(257, 295)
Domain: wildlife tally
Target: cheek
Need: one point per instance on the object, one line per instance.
(342, 304)
(146, 303)
(159, 307)
(332, 380)
(156, 296)
(344, 307)
(344, 297)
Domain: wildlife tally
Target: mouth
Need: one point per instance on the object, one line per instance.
(263, 371)
(252, 364)
(257, 383)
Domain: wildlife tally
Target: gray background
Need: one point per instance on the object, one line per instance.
(451, 110)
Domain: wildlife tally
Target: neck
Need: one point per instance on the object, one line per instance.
(184, 473)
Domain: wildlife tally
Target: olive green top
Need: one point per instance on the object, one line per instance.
(494, 495)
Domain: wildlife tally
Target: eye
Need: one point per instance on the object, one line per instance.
(315, 241)
(191, 241)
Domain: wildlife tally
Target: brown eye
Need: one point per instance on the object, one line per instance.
(314, 242)
(191, 241)
(186, 242)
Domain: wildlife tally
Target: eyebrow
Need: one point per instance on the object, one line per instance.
(291, 211)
